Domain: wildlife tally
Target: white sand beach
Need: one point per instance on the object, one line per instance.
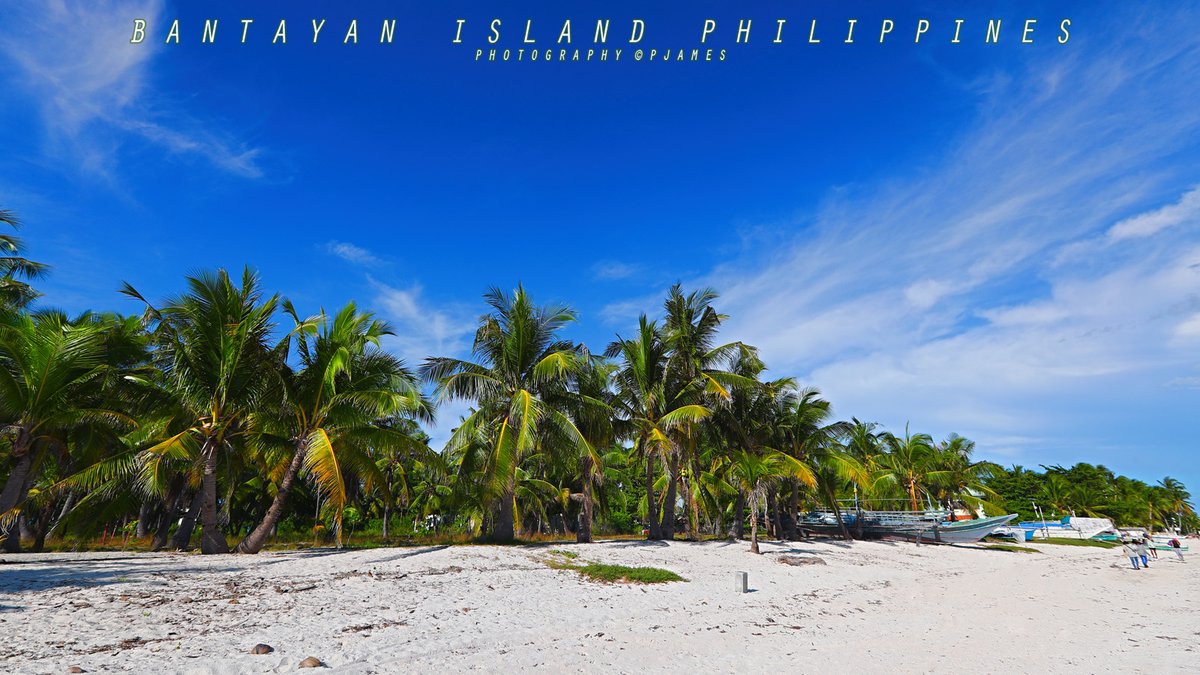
(874, 607)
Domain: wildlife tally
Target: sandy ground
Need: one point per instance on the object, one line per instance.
(873, 607)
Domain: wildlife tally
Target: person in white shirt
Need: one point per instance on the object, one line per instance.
(1128, 549)
(1143, 552)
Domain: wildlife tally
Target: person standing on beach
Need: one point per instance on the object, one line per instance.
(1128, 549)
(1178, 548)
(1150, 546)
(1143, 552)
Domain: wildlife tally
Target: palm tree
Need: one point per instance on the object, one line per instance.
(1177, 500)
(750, 421)
(335, 407)
(754, 473)
(814, 440)
(53, 377)
(963, 480)
(909, 463)
(1056, 493)
(690, 327)
(213, 346)
(646, 402)
(590, 407)
(520, 359)
(15, 270)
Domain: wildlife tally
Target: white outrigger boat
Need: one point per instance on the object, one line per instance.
(957, 532)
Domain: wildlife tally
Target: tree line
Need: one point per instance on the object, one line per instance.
(225, 412)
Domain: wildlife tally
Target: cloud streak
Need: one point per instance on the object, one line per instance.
(352, 254)
(74, 59)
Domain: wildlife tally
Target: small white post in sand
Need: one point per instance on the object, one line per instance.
(742, 582)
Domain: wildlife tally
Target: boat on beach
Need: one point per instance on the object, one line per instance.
(958, 532)
(921, 526)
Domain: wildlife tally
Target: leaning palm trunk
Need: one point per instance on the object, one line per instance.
(187, 525)
(837, 511)
(211, 539)
(254, 542)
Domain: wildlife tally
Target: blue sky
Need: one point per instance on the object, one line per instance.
(997, 240)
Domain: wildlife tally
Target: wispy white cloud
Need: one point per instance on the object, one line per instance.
(352, 254)
(92, 87)
(425, 329)
(1186, 210)
(613, 270)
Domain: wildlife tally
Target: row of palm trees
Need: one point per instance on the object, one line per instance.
(227, 408)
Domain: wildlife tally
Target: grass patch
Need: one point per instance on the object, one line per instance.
(1094, 543)
(1010, 547)
(611, 573)
(636, 575)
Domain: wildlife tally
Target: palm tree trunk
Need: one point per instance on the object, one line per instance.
(183, 536)
(143, 521)
(777, 518)
(257, 538)
(793, 507)
(16, 488)
(170, 512)
(837, 511)
(737, 522)
(754, 523)
(503, 522)
(386, 510)
(211, 539)
(583, 533)
(687, 483)
(68, 503)
(668, 511)
(912, 494)
(652, 523)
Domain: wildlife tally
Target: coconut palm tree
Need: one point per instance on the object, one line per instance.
(54, 377)
(750, 421)
(909, 463)
(213, 345)
(755, 473)
(15, 270)
(520, 359)
(1056, 493)
(696, 377)
(336, 405)
(589, 405)
(964, 480)
(649, 403)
